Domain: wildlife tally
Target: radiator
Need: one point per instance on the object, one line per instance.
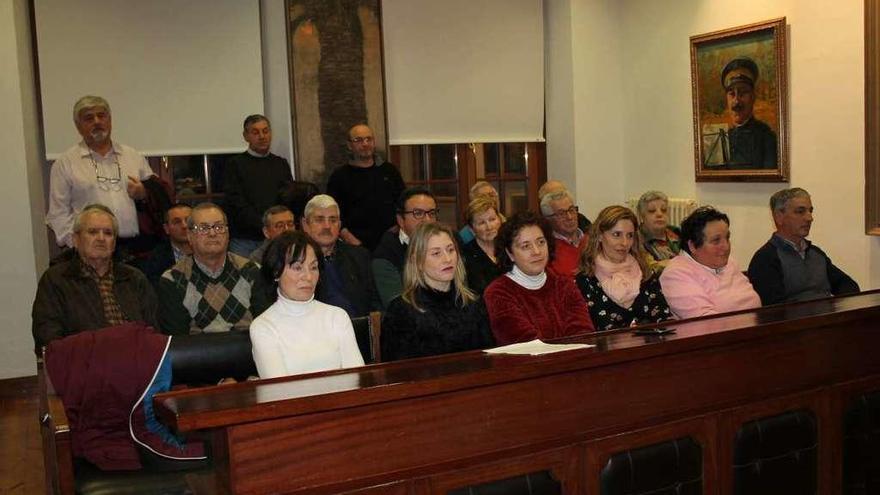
(679, 208)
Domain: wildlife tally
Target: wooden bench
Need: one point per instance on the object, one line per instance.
(575, 422)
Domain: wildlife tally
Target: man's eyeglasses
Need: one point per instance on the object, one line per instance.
(206, 228)
(419, 214)
(359, 140)
(282, 225)
(563, 214)
(107, 183)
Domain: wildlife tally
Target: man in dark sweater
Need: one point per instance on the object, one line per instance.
(789, 267)
(346, 276)
(415, 206)
(366, 189)
(254, 181)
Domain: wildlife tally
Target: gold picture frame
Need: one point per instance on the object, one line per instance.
(739, 81)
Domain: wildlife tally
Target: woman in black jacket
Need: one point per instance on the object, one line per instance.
(436, 313)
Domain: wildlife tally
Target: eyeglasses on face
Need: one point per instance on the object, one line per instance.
(419, 214)
(359, 140)
(562, 214)
(320, 220)
(206, 228)
(281, 225)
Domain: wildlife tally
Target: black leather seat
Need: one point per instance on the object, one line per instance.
(540, 483)
(861, 446)
(209, 357)
(669, 468)
(776, 454)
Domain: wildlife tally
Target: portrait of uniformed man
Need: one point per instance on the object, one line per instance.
(751, 142)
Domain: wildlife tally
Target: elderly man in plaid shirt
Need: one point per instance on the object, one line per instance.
(90, 290)
(212, 290)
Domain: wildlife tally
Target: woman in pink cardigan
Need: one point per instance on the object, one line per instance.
(703, 279)
(530, 301)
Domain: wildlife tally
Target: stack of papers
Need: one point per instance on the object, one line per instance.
(535, 348)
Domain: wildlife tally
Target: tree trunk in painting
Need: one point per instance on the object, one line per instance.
(341, 99)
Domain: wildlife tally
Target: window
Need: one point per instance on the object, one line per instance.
(449, 170)
(196, 178)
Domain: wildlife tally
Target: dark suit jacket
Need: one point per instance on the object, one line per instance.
(357, 273)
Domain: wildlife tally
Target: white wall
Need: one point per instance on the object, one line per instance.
(631, 81)
(584, 122)
(276, 88)
(23, 243)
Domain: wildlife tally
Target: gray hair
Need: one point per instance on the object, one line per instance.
(207, 205)
(781, 198)
(476, 187)
(90, 210)
(89, 101)
(546, 209)
(274, 210)
(319, 201)
(253, 119)
(646, 198)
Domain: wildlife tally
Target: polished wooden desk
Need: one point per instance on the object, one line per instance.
(436, 424)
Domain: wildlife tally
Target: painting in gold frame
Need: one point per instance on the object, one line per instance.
(740, 93)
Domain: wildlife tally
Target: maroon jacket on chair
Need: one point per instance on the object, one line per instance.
(102, 377)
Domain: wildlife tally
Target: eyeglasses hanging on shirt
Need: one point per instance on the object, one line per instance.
(108, 183)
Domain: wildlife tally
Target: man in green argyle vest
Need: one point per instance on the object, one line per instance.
(212, 290)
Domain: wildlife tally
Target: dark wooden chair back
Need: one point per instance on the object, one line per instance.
(367, 330)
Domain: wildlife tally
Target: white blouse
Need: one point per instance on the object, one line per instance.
(295, 337)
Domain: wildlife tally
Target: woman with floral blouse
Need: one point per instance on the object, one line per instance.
(614, 278)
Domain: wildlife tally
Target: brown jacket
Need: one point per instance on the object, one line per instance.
(68, 301)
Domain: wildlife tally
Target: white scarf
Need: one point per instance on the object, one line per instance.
(620, 281)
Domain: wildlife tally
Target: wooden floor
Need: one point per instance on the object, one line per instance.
(21, 458)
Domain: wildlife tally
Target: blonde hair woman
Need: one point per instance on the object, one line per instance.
(479, 255)
(614, 277)
(436, 313)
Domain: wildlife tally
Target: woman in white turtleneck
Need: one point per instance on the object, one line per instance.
(530, 301)
(299, 334)
(614, 277)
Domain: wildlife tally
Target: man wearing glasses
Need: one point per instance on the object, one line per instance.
(366, 189)
(213, 290)
(559, 208)
(415, 206)
(97, 170)
(276, 221)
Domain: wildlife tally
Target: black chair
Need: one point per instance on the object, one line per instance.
(540, 483)
(776, 454)
(861, 446)
(668, 468)
(207, 358)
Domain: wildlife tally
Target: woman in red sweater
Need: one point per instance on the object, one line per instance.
(530, 302)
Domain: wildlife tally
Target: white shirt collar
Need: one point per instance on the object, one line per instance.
(254, 153)
(713, 271)
(404, 239)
